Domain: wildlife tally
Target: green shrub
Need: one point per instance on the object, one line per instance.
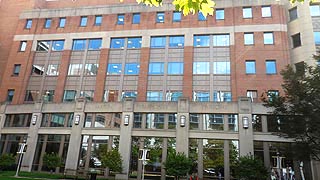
(250, 168)
(52, 161)
(7, 162)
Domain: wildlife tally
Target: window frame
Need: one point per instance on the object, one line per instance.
(266, 39)
(23, 46)
(198, 64)
(75, 45)
(28, 24)
(47, 23)
(111, 70)
(153, 42)
(96, 20)
(293, 14)
(199, 38)
(296, 42)
(134, 18)
(248, 67)
(119, 21)
(160, 17)
(268, 9)
(16, 69)
(273, 69)
(83, 21)
(247, 38)
(176, 18)
(62, 22)
(174, 44)
(218, 12)
(152, 70)
(10, 95)
(172, 66)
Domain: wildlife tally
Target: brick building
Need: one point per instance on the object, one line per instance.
(79, 76)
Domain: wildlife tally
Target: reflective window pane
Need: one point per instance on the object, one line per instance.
(315, 10)
(250, 67)
(91, 69)
(222, 96)
(156, 68)
(53, 70)
(120, 20)
(57, 45)
(268, 38)
(134, 42)
(94, 44)
(248, 38)
(129, 94)
(176, 16)
(69, 95)
(201, 17)
(317, 38)
(219, 14)
(62, 22)
(75, 69)
(79, 44)
(132, 69)
(221, 40)
(176, 41)
(114, 69)
(154, 96)
(28, 24)
(201, 67)
(173, 95)
(98, 20)
(43, 46)
(175, 68)
(160, 17)
(266, 11)
(83, 21)
(247, 12)
(201, 96)
(201, 40)
(271, 67)
(158, 42)
(221, 67)
(136, 18)
(117, 43)
(47, 23)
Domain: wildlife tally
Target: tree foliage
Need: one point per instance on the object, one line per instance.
(7, 161)
(298, 109)
(206, 7)
(178, 164)
(112, 159)
(52, 160)
(250, 168)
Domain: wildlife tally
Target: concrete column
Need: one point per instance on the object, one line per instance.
(264, 123)
(200, 158)
(182, 132)
(266, 155)
(245, 135)
(2, 116)
(125, 137)
(75, 138)
(164, 157)
(32, 139)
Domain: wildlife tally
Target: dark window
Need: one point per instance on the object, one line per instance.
(69, 95)
(98, 20)
(296, 40)
(28, 24)
(160, 17)
(250, 67)
(62, 22)
(16, 69)
(47, 23)
(293, 13)
(23, 46)
(272, 94)
(79, 44)
(300, 68)
(219, 14)
(31, 96)
(201, 17)
(136, 18)
(120, 20)
(271, 67)
(94, 44)
(10, 95)
(83, 21)
(176, 16)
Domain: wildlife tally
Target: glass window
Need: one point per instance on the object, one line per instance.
(57, 45)
(272, 94)
(37, 69)
(296, 40)
(79, 44)
(271, 67)
(83, 21)
(136, 18)
(175, 68)
(160, 17)
(201, 96)
(47, 23)
(252, 94)
(233, 122)
(52, 70)
(94, 44)
(110, 96)
(62, 22)
(315, 10)
(23, 45)
(69, 95)
(173, 95)
(219, 14)
(114, 69)
(31, 96)
(129, 94)
(134, 42)
(201, 17)
(221, 40)
(248, 39)
(117, 43)
(48, 95)
(317, 38)
(222, 67)
(132, 69)
(201, 68)
(176, 41)
(222, 96)
(176, 16)
(16, 69)
(137, 120)
(43, 46)
(172, 121)
(10, 95)
(213, 122)
(158, 42)
(154, 96)
(91, 69)
(120, 19)
(17, 120)
(268, 38)
(156, 68)
(266, 11)
(155, 121)
(88, 95)
(75, 69)
(247, 12)
(28, 24)
(201, 40)
(250, 67)
(98, 20)
(293, 13)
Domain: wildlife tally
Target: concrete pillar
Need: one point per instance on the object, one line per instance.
(125, 137)
(164, 157)
(266, 155)
(75, 137)
(2, 116)
(245, 134)
(182, 131)
(200, 158)
(32, 139)
(226, 153)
